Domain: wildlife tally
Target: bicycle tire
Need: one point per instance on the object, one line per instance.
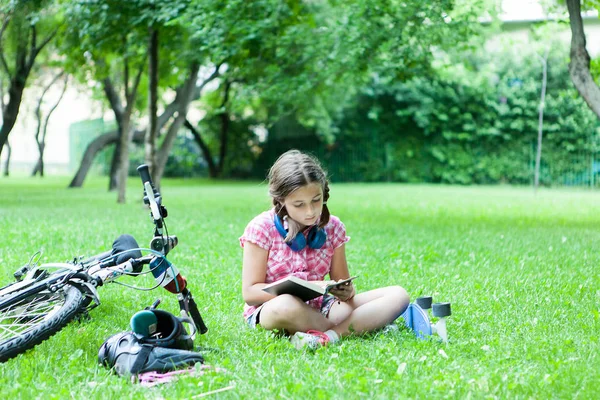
(70, 301)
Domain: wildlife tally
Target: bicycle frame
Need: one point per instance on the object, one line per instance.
(95, 272)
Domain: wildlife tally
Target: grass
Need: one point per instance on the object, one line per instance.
(520, 270)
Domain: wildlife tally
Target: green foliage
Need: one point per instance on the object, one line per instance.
(520, 272)
(21, 18)
(185, 160)
(109, 39)
(472, 119)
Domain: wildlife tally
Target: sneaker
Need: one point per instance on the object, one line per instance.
(391, 328)
(309, 339)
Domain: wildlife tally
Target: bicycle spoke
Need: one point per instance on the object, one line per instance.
(18, 318)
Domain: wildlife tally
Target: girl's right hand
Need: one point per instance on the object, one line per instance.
(344, 291)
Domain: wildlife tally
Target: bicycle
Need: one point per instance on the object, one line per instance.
(46, 297)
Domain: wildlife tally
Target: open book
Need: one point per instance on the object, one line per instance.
(305, 290)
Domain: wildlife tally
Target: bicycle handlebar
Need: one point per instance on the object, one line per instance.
(164, 244)
(144, 172)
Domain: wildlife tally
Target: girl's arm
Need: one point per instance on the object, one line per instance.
(254, 272)
(339, 265)
(339, 270)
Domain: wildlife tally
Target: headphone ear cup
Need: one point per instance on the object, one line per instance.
(316, 237)
(297, 243)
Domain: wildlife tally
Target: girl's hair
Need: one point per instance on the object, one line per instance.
(293, 170)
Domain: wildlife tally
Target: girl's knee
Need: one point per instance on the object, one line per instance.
(399, 295)
(282, 308)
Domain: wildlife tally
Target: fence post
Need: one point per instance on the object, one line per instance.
(592, 184)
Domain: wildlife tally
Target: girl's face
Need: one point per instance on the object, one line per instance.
(304, 205)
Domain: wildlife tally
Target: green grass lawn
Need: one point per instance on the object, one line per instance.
(520, 270)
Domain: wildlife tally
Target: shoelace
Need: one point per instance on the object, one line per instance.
(323, 338)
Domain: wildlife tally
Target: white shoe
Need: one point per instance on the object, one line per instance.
(311, 340)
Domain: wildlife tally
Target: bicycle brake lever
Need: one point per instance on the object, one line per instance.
(154, 305)
(188, 306)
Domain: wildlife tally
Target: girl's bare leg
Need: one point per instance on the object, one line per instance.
(368, 311)
(290, 313)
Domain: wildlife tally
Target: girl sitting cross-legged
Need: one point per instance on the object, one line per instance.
(313, 247)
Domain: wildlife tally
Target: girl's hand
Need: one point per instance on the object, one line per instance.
(343, 292)
(324, 284)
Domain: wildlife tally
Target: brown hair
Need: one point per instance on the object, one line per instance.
(293, 170)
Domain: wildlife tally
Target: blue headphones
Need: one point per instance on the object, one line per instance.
(315, 240)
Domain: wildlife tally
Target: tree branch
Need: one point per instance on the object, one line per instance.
(136, 84)
(4, 25)
(2, 104)
(126, 70)
(38, 108)
(32, 53)
(5, 65)
(113, 99)
(55, 105)
(36, 50)
(212, 168)
(212, 76)
(2, 58)
(579, 66)
(224, 116)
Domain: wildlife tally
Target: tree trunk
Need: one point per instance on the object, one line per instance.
(11, 110)
(184, 98)
(93, 148)
(26, 52)
(118, 111)
(38, 130)
(46, 121)
(123, 170)
(152, 133)
(7, 161)
(126, 137)
(212, 168)
(111, 138)
(39, 165)
(579, 66)
(108, 139)
(42, 125)
(114, 165)
(224, 116)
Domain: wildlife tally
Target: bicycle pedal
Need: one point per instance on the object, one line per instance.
(83, 316)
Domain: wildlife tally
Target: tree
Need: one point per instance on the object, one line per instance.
(26, 29)
(281, 58)
(114, 38)
(7, 145)
(579, 66)
(153, 77)
(105, 40)
(42, 123)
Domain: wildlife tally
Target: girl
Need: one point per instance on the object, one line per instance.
(299, 237)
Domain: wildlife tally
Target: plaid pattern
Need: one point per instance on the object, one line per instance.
(308, 264)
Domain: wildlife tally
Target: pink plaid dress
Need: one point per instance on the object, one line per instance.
(308, 264)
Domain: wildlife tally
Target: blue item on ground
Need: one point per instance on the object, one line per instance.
(417, 319)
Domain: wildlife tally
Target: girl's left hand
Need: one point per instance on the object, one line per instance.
(343, 292)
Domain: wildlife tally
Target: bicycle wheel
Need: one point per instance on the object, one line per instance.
(28, 321)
